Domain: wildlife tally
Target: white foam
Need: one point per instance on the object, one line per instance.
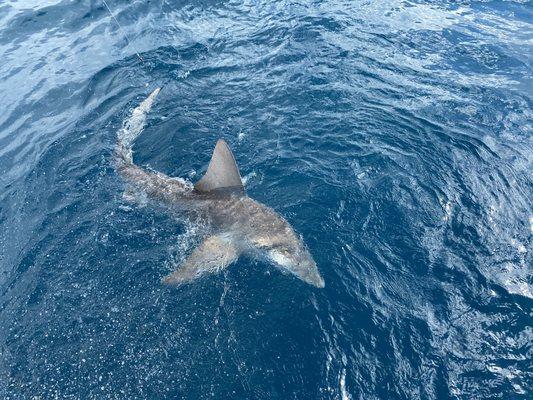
(519, 246)
(246, 178)
(342, 383)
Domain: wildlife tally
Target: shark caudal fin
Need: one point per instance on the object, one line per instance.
(132, 128)
(222, 172)
(148, 184)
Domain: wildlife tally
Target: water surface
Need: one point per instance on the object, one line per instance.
(394, 135)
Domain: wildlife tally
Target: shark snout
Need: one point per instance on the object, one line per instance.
(311, 275)
(299, 263)
(317, 281)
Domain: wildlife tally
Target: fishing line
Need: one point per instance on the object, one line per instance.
(126, 36)
(120, 28)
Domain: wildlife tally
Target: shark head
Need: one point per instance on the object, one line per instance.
(296, 259)
(282, 246)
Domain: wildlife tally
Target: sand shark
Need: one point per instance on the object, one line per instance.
(237, 223)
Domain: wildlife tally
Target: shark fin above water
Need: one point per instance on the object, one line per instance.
(222, 172)
(213, 255)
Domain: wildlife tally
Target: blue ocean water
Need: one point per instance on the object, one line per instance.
(395, 136)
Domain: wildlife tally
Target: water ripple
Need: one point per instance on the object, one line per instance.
(394, 135)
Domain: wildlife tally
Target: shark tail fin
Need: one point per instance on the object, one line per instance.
(222, 172)
(131, 129)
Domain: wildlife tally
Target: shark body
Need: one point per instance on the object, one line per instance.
(238, 224)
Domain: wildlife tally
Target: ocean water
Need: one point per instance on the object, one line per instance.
(395, 136)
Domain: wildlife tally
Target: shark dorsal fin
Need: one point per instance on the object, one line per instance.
(222, 172)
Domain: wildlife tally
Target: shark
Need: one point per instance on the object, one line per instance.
(237, 224)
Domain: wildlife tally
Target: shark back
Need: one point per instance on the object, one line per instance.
(222, 174)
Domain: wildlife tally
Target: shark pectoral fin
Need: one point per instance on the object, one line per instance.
(131, 195)
(213, 255)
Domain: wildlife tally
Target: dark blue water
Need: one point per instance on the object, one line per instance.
(396, 137)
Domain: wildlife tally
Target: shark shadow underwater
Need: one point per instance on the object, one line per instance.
(238, 224)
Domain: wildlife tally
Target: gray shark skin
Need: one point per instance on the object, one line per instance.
(238, 224)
